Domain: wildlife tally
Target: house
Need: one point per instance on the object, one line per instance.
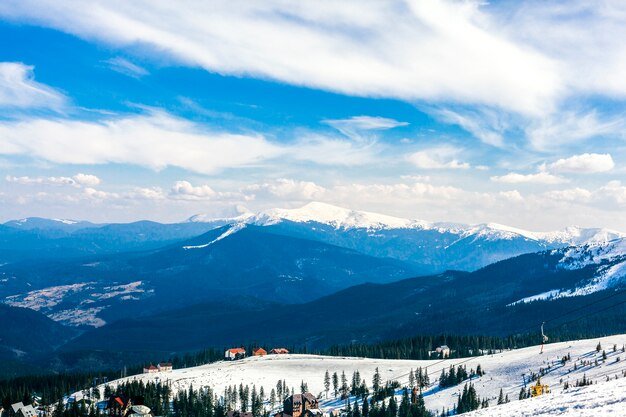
(119, 406)
(139, 411)
(279, 351)
(238, 414)
(21, 410)
(235, 353)
(165, 367)
(297, 404)
(259, 352)
(151, 369)
(443, 351)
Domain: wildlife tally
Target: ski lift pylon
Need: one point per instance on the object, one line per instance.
(544, 338)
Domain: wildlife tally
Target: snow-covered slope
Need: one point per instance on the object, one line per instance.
(605, 262)
(503, 371)
(603, 399)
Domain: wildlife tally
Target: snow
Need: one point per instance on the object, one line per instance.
(233, 229)
(45, 298)
(606, 398)
(72, 304)
(339, 217)
(503, 371)
(79, 317)
(343, 218)
(543, 296)
(65, 221)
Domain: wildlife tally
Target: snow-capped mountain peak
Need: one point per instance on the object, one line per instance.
(338, 217)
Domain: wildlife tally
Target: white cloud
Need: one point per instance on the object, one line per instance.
(438, 50)
(437, 158)
(77, 180)
(86, 179)
(157, 141)
(563, 128)
(18, 89)
(486, 125)
(185, 189)
(576, 195)
(585, 163)
(354, 126)
(512, 195)
(585, 37)
(538, 178)
(288, 189)
(124, 66)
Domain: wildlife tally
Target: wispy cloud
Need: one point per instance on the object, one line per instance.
(438, 50)
(558, 130)
(77, 180)
(18, 89)
(443, 157)
(124, 66)
(538, 178)
(356, 125)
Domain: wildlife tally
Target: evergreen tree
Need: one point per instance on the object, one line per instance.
(335, 383)
(376, 380)
(326, 382)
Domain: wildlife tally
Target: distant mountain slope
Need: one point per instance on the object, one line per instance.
(435, 247)
(482, 302)
(225, 263)
(24, 333)
(50, 239)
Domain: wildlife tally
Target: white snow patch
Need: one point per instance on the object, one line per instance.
(80, 317)
(233, 229)
(65, 221)
(117, 290)
(45, 298)
(548, 295)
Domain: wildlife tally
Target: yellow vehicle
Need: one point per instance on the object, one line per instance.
(539, 389)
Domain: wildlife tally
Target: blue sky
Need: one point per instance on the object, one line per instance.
(508, 112)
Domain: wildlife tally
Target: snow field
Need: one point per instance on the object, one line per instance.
(503, 370)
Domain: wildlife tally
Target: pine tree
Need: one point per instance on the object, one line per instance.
(272, 398)
(376, 380)
(501, 397)
(405, 405)
(326, 382)
(335, 383)
(366, 408)
(411, 379)
(344, 385)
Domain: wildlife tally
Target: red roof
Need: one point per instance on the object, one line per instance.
(237, 350)
(151, 367)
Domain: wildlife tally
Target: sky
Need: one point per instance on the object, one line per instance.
(511, 112)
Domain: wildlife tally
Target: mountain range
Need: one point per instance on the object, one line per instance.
(333, 275)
